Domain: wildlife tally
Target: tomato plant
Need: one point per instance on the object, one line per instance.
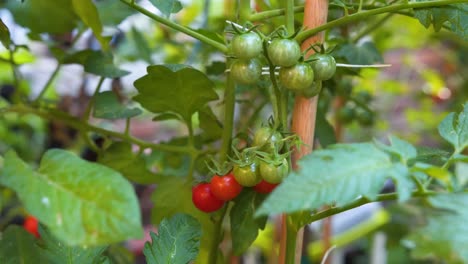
(119, 118)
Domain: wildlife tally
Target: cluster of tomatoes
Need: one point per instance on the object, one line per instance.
(355, 110)
(295, 74)
(260, 167)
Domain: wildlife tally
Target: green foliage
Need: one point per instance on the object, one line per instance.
(88, 13)
(181, 90)
(18, 246)
(111, 12)
(4, 35)
(56, 251)
(454, 129)
(364, 54)
(336, 176)
(96, 62)
(108, 106)
(81, 203)
(324, 130)
(177, 242)
(245, 227)
(444, 236)
(456, 15)
(167, 7)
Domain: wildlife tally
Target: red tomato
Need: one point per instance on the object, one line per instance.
(225, 187)
(31, 225)
(265, 187)
(204, 200)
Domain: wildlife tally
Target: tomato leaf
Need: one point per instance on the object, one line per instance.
(107, 106)
(96, 62)
(161, 89)
(53, 16)
(400, 148)
(456, 15)
(364, 54)
(324, 131)
(82, 203)
(337, 175)
(167, 7)
(18, 246)
(178, 241)
(56, 251)
(210, 124)
(244, 226)
(454, 129)
(4, 35)
(88, 13)
(143, 50)
(111, 12)
(444, 236)
(179, 193)
(119, 156)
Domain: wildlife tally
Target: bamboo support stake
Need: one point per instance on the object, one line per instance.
(305, 109)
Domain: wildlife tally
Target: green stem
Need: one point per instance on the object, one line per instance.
(213, 257)
(289, 16)
(48, 83)
(365, 14)
(218, 45)
(244, 11)
(54, 114)
(291, 245)
(273, 13)
(87, 112)
(362, 201)
(228, 124)
(14, 69)
(372, 27)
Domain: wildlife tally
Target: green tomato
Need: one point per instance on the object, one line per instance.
(284, 52)
(273, 173)
(298, 77)
(267, 139)
(246, 72)
(346, 114)
(363, 96)
(364, 117)
(248, 175)
(324, 66)
(312, 90)
(246, 46)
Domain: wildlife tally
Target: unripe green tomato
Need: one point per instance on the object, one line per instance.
(247, 176)
(312, 90)
(363, 96)
(267, 139)
(272, 173)
(346, 114)
(246, 72)
(284, 52)
(246, 46)
(364, 117)
(324, 66)
(298, 77)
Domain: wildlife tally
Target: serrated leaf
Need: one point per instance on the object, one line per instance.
(88, 13)
(4, 35)
(119, 156)
(444, 236)
(337, 175)
(324, 130)
(107, 106)
(456, 15)
(431, 155)
(364, 54)
(167, 7)
(403, 149)
(82, 203)
(112, 12)
(177, 242)
(56, 251)
(18, 246)
(52, 16)
(161, 89)
(243, 225)
(454, 129)
(179, 192)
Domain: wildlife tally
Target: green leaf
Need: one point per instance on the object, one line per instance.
(454, 129)
(167, 7)
(177, 242)
(179, 192)
(88, 13)
(82, 203)
(119, 156)
(112, 12)
(143, 49)
(337, 175)
(210, 124)
(107, 106)
(404, 150)
(4, 35)
(243, 225)
(96, 62)
(441, 174)
(431, 155)
(324, 131)
(18, 246)
(364, 54)
(444, 236)
(52, 16)
(56, 251)
(183, 91)
(456, 15)
(461, 172)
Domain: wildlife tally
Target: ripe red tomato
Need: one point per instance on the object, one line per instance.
(31, 225)
(225, 187)
(265, 187)
(204, 200)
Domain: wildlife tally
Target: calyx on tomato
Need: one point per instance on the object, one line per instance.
(267, 139)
